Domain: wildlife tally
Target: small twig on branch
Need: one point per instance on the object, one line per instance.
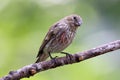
(32, 69)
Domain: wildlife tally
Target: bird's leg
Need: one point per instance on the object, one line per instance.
(67, 55)
(53, 59)
(51, 56)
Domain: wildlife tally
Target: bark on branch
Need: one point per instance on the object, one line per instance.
(32, 69)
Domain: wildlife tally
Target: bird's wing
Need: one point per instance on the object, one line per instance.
(51, 33)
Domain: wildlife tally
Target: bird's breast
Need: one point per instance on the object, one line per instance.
(60, 42)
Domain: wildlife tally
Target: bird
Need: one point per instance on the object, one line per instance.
(59, 36)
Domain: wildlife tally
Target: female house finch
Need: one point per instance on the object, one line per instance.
(59, 36)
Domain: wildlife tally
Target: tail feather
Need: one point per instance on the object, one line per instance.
(42, 57)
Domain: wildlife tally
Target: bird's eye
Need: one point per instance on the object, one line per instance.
(74, 18)
(76, 21)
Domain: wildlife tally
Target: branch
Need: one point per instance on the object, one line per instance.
(32, 69)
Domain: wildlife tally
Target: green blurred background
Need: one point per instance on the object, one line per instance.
(24, 23)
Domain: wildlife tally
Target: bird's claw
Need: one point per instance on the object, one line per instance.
(67, 55)
(54, 60)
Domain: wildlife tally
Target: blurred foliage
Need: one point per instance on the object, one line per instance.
(24, 23)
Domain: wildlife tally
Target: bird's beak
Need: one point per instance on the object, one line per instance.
(79, 23)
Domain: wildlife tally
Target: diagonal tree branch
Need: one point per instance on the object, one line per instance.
(32, 69)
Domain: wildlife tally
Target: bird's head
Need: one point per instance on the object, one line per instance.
(74, 20)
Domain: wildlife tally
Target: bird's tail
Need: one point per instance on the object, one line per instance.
(42, 57)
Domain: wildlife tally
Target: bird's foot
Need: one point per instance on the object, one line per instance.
(53, 58)
(67, 55)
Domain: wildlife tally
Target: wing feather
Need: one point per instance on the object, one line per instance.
(52, 31)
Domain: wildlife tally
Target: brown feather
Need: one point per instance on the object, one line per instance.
(59, 36)
(42, 57)
(47, 38)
